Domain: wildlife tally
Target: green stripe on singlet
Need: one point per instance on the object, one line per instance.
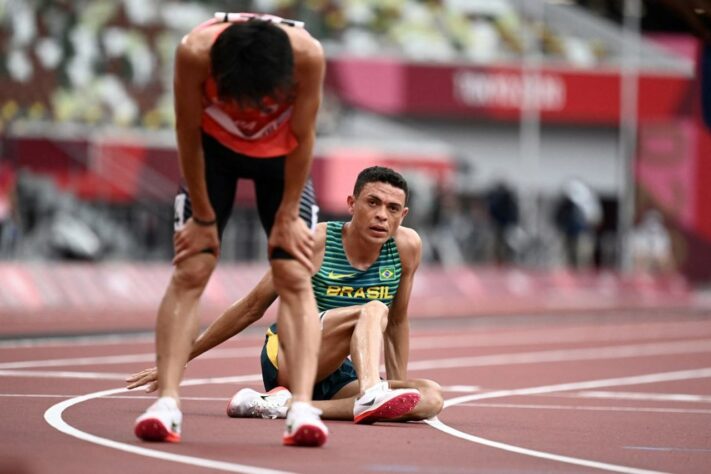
(338, 284)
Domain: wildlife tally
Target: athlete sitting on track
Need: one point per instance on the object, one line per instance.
(362, 287)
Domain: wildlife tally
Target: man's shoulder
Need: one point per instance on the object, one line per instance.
(409, 246)
(319, 244)
(307, 49)
(407, 236)
(302, 41)
(194, 47)
(320, 231)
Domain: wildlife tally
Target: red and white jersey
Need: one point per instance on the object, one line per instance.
(251, 131)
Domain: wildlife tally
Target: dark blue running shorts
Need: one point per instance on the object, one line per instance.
(325, 389)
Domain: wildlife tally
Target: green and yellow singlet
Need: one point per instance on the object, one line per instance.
(338, 284)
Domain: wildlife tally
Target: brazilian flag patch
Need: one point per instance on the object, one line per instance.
(387, 273)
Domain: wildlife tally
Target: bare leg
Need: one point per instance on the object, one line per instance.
(340, 407)
(431, 401)
(354, 330)
(367, 341)
(298, 325)
(177, 322)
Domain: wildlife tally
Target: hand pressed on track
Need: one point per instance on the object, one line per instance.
(148, 377)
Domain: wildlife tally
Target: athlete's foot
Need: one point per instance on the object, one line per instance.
(304, 426)
(161, 422)
(248, 403)
(380, 403)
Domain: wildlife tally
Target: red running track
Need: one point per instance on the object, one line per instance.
(615, 392)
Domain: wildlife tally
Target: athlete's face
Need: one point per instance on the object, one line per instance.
(378, 210)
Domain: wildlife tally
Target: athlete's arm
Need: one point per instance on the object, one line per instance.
(191, 71)
(289, 231)
(234, 320)
(237, 317)
(397, 332)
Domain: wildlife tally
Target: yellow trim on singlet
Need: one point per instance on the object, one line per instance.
(273, 348)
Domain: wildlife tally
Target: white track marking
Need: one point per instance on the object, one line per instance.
(34, 395)
(611, 382)
(604, 333)
(127, 359)
(564, 355)
(606, 352)
(586, 408)
(652, 397)
(461, 388)
(561, 335)
(561, 355)
(669, 448)
(53, 416)
(565, 387)
(121, 377)
(122, 397)
(528, 357)
(435, 423)
(93, 340)
(62, 374)
(564, 336)
(74, 341)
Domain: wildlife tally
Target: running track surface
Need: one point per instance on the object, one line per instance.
(559, 393)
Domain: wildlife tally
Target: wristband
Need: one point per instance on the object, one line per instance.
(203, 223)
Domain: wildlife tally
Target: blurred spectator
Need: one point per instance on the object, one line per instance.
(504, 212)
(56, 225)
(460, 232)
(110, 62)
(576, 216)
(7, 218)
(650, 244)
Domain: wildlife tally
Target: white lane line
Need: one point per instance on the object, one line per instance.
(435, 423)
(56, 374)
(632, 380)
(564, 387)
(127, 359)
(101, 339)
(461, 388)
(564, 355)
(652, 397)
(635, 350)
(122, 397)
(609, 333)
(613, 333)
(587, 408)
(669, 448)
(53, 416)
(121, 377)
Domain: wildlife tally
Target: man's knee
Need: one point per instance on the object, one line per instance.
(432, 400)
(290, 276)
(378, 310)
(194, 272)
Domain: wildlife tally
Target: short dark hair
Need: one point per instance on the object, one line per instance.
(252, 60)
(380, 174)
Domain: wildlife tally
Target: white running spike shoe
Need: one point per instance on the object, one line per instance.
(304, 426)
(161, 422)
(379, 403)
(248, 403)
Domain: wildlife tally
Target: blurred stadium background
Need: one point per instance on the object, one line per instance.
(549, 143)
